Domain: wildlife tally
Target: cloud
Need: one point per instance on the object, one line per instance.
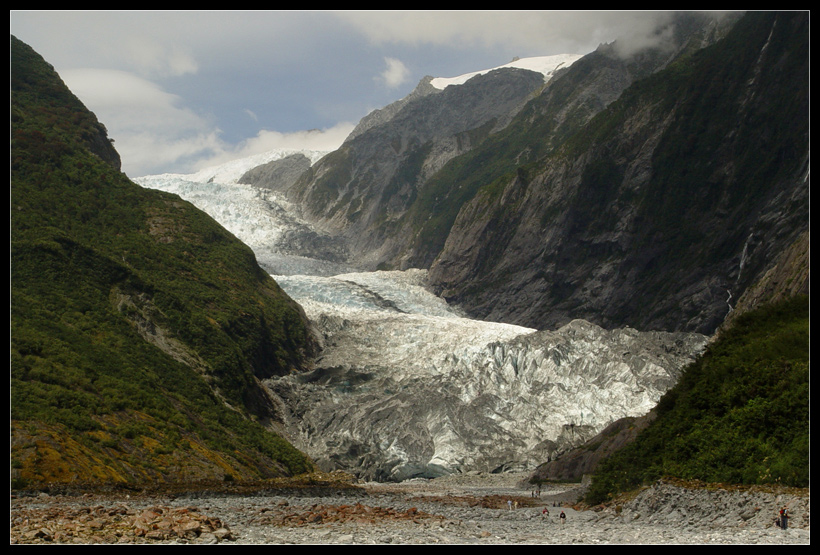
(157, 131)
(395, 74)
(324, 140)
(149, 44)
(153, 128)
(234, 72)
(112, 90)
(531, 32)
(153, 58)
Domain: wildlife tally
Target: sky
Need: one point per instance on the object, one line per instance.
(182, 90)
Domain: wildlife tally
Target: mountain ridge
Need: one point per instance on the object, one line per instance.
(620, 178)
(409, 218)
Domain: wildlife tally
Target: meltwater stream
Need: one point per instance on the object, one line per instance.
(406, 385)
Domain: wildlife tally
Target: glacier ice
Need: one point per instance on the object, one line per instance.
(405, 384)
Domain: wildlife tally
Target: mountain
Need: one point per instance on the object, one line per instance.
(404, 385)
(418, 384)
(140, 329)
(648, 190)
(363, 191)
(663, 209)
(604, 216)
(395, 187)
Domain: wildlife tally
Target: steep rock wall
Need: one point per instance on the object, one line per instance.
(671, 202)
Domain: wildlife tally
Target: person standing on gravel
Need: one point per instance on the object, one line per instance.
(784, 518)
(563, 517)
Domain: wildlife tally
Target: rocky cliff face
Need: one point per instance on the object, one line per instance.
(277, 174)
(574, 464)
(360, 190)
(666, 207)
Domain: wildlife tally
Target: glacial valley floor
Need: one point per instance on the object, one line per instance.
(473, 509)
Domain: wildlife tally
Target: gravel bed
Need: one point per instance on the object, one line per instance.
(459, 510)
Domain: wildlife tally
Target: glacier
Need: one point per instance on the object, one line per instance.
(262, 219)
(406, 385)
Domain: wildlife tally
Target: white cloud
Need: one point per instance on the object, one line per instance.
(155, 130)
(150, 127)
(113, 90)
(151, 57)
(147, 153)
(266, 141)
(395, 74)
(312, 139)
(533, 32)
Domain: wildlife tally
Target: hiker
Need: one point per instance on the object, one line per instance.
(545, 513)
(784, 518)
(509, 504)
(563, 517)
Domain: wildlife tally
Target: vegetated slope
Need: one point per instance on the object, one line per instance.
(739, 415)
(669, 202)
(139, 328)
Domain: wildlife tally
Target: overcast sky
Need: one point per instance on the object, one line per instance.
(181, 90)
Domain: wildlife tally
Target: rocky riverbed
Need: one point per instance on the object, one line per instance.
(471, 509)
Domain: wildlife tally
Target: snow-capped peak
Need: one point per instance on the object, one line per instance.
(547, 65)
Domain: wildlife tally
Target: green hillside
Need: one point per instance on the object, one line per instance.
(738, 415)
(139, 327)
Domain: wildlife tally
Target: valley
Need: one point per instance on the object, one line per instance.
(587, 274)
(407, 386)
